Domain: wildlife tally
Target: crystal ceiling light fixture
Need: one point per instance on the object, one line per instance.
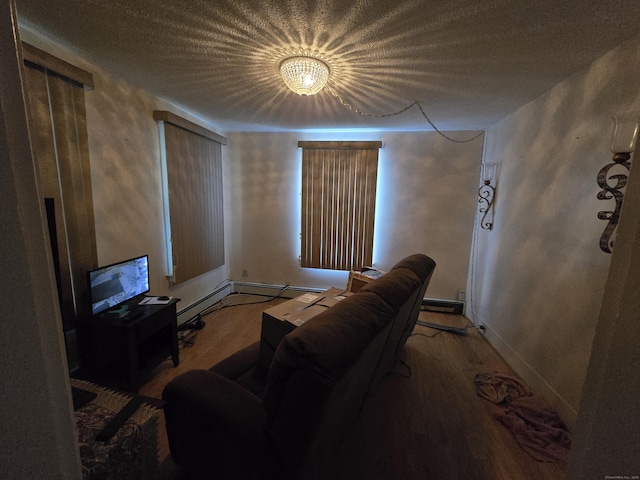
(304, 75)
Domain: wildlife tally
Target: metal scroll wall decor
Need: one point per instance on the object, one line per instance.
(486, 195)
(623, 140)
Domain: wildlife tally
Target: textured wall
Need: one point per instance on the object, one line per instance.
(127, 188)
(426, 203)
(126, 177)
(36, 414)
(606, 439)
(538, 277)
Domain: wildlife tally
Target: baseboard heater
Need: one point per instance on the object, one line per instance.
(194, 309)
(443, 306)
(187, 313)
(269, 289)
(428, 304)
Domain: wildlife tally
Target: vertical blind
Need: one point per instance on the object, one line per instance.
(338, 204)
(54, 91)
(192, 171)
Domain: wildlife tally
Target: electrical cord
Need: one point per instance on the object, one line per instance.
(415, 334)
(221, 304)
(405, 364)
(383, 115)
(197, 321)
(186, 338)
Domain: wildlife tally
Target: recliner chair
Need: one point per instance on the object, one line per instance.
(241, 421)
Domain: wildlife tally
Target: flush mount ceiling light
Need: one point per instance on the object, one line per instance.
(304, 75)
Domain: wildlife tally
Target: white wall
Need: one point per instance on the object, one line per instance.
(538, 277)
(606, 438)
(427, 199)
(36, 415)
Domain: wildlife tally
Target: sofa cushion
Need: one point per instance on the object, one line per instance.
(319, 378)
(419, 264)
(328, 343)
(207, 412)
(244, 369)
(403, 286)
(395, 286)
(423, 266)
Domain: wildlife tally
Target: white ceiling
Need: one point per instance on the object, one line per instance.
(468, 62)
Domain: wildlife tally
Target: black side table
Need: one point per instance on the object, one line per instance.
(120, 351)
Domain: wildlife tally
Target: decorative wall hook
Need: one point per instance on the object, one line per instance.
(623, 141)
(486, 194)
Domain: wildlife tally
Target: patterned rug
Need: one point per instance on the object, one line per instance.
(132, 451)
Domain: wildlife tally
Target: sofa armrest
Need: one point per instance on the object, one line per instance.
(212, 423)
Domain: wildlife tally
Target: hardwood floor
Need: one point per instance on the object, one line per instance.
(425, 420)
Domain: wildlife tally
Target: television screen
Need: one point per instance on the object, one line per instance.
(115, 284)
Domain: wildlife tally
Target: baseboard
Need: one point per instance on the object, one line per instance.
(528, 373)
(289, 291)
(272, 290)
(192, 310)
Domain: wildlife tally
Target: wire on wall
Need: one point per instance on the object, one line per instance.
(383, 115)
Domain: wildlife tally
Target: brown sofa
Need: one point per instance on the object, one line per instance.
(238, 420)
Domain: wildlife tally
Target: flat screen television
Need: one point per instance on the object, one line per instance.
(112, 285)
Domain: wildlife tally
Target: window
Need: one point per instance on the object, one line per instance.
(338, 204)
(192, 184)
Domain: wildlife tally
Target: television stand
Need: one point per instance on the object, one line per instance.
(122, 351)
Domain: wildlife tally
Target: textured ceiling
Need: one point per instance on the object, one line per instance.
(468, 62)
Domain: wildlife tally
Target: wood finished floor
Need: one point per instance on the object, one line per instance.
(424, 421)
